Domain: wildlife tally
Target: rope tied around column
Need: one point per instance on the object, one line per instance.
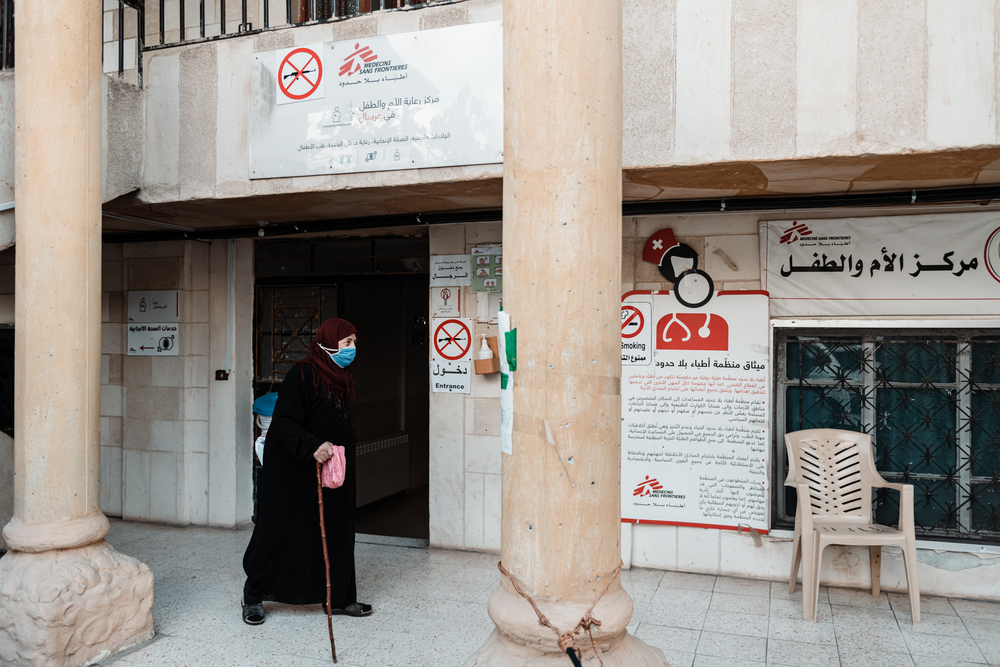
(567, 640)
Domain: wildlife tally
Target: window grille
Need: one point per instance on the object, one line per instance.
(930, 400)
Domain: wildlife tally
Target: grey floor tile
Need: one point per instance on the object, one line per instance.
(735, 647)
(750, 625)
(983, 628)
(679, 659)
(990, 649)
(797, 630)
(927, 661)
(976, 608)
(793, 609)
(928, 604)
(853, 657)
(713, 661)
(754, 587)
(779, 591)
(932, 624)
(852, 597)
(688, 581)
(798, 654)
(956, 648)
(739, 604)
(681, 640)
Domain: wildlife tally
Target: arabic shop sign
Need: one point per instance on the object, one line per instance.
(903, 265)
(432, 98)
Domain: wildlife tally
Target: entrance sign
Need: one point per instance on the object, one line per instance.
(452, 339)
(300, 74)
(637, 334)
(432, 98)
(451, 377)
(153, 339)
(154, 306)
(902, 265)
(695, 421)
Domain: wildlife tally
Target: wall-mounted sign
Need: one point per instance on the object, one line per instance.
(451, 338)
(695, 416)
(903, 265)
(487, 269)
(154, 339)
(154, 306)
(446, 301)
(432, 98)
(678, 263)
(451, 377)
(451, 270)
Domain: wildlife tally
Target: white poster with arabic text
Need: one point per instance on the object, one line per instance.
(695, 410)
(431, 98)
(902, 265)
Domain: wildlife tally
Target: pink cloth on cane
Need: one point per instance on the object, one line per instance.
(333, 470)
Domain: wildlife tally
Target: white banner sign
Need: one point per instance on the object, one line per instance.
(696, 421)
(432, 98)
(902, 265)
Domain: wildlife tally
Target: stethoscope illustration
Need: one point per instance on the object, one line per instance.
(703, 332)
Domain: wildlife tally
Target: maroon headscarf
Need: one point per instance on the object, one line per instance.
(329, 379)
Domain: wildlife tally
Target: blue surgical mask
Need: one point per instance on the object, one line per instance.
(344, 357)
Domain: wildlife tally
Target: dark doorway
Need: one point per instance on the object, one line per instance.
(381, 286)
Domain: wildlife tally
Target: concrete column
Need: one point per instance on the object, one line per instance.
(562, 281)
(66, 597)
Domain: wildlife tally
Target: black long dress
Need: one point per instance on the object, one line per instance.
(284, 560)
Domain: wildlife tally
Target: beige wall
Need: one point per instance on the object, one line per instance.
(175, 442)
(465, 428)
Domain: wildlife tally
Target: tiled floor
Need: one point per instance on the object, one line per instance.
(430, 609)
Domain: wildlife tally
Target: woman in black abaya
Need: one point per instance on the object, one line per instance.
(314, 412)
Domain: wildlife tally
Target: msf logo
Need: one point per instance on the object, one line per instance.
(794, 233)
(363, 53)
(645, 488)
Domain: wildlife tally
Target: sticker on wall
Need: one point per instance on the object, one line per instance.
(452, 338)
(678, 263)
(154, 306)
(487, 266)
(451, 377)
(446, 301)
(300, 74)
(637, 339)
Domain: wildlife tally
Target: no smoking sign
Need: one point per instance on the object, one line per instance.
(637, 340)
(300, 74)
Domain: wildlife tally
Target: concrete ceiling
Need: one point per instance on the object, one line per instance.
(820, 176)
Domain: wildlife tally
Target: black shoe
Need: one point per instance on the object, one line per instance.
(253, 614)
(353, 609)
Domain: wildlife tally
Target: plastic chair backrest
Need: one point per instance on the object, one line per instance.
(838, 467)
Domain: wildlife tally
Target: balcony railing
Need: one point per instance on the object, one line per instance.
(134, 27)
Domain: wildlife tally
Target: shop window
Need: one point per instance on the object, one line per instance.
(930, 400)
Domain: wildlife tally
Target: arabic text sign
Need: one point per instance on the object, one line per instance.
(432, 98)
(695, 422)
(153, 339)
(451, 270)
(154, 306)
(451, 377)
(903, 265)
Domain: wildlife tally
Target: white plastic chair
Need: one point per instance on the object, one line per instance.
(833, 472)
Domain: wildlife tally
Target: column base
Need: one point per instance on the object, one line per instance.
(628, 652)
(72, 607)
(519, 639)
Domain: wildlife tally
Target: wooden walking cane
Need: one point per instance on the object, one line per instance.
(326, 558)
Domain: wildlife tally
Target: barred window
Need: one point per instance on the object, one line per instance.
(930, 399)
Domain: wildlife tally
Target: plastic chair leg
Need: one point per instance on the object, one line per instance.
(912, 585)
(810, 577)
(875, 565)
(796, 557)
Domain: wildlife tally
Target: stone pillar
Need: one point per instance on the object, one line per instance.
(66, 597)
(562, 242)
